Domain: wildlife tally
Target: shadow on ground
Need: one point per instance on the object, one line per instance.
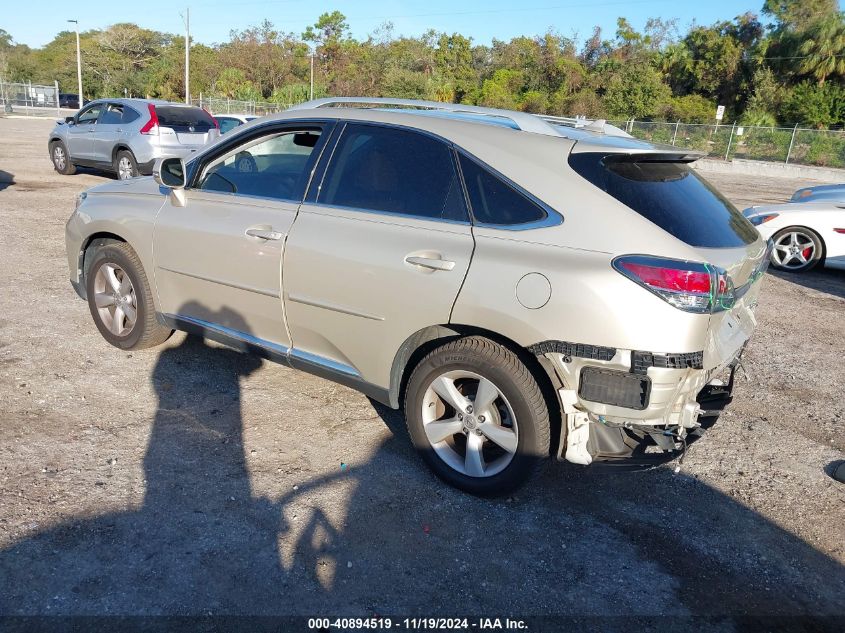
(579, 541)
(829, 280)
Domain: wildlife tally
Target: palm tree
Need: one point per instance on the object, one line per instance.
(824, 48)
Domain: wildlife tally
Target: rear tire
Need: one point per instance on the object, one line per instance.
(797, 249)
(120, 299)
(490, 433)
(61, 159)
(125, 165)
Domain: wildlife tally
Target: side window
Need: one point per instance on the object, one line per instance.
(227, 124)
(129, 115)
(274, 166)
(494, 201)
(113, 114)
(90, 114)
(393, 170)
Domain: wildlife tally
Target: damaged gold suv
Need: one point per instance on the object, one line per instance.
(523, 286)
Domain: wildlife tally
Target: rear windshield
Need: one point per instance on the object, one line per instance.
(180, 118)
(671, 195)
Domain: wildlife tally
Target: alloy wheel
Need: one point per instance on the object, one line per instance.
(114, 296)
(794, 250)
(124, 168)
(469, 423)
(59, 157)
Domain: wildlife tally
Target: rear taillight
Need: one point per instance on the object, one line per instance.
(688, 286)
(151, 126)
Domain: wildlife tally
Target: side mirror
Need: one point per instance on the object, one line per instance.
(70, 120)
(170, 173)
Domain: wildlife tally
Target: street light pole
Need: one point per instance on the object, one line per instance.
(78, 63)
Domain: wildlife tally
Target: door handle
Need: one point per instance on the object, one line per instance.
(119, 130)
(265, 234)
(433, 263)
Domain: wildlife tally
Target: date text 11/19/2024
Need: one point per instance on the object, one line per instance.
(417, 624)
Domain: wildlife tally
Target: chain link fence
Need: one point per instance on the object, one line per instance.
(31, 100)
(217, 105)
(802, 146)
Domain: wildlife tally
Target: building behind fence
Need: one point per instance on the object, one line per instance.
(802, 146)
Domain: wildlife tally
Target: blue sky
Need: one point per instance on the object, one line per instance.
(36, 23)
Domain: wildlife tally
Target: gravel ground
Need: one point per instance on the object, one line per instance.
(192, 479)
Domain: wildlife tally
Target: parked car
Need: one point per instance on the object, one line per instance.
(804, 235)
(126, 136)
(820, 193)
(521, 286)
(67, 100)
(228, 122)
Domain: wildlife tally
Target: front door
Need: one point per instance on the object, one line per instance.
(218, 258)
(377, 253)
(80, 135)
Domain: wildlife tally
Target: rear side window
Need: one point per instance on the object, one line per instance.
(129, 115)
(671, 195)
(181, 118)
(393, 170)
(494, 201)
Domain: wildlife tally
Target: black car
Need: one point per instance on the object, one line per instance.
(67, 100)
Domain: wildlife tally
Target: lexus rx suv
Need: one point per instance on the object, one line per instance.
(523, 287)
(126, 136)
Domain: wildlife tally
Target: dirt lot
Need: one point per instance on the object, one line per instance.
(195, 480)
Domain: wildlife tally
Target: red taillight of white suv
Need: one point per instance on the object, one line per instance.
(688, 286)
(151, 126)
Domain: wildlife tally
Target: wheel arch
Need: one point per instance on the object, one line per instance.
(419, 344)
(120, 147)
(89, 244)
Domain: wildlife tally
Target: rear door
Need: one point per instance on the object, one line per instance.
(107, 132)
(379, 251)
(80, 135)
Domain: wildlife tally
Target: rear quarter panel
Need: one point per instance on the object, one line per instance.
(589, 302)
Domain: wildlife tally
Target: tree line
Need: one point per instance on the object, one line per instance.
(783, 67)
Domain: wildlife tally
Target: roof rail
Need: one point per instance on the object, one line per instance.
(523, 120)
(593, 125)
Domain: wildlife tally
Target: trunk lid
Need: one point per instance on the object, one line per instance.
(186, 126)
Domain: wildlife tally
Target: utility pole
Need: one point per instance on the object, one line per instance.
(78, 63)
(187, 20)
(311, 97)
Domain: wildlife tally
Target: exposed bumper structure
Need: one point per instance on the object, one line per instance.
(635, 407)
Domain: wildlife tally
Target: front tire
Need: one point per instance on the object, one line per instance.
(61, 159)
(797, 249)
(477, 417)
(120, 299)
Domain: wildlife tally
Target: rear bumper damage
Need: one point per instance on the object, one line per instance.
(635, 408)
